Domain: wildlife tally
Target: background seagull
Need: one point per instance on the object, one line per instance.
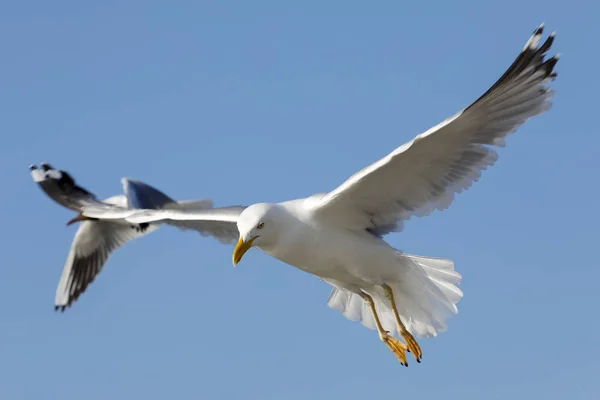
(95, 240)
(337, 236)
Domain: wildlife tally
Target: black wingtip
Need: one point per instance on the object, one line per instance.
(534, 39)
(549, 65)
(546, 45)
(530, 60)
(534, 52)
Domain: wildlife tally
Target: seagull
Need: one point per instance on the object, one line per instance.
(96, 239)
(338, 236)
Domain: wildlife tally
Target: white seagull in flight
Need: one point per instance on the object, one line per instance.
(337, 236)
(95, 240)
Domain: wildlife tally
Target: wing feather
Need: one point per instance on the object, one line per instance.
(220, 223)
(425, 174)
(62, 188)
(142, 195)
(91, 247)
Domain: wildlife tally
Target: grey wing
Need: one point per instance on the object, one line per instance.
(91, 247)
(143, 196)
(140, 195)
(224, 232)
(220, 222)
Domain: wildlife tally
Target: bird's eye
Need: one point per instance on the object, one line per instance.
(260, 225)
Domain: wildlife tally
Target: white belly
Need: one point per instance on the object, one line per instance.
(353, 258)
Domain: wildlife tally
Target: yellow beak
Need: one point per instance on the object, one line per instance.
(240, 249)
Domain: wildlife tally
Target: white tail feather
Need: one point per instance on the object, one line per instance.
(425, 294)
(353, 307)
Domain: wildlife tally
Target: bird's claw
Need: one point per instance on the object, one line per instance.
(412, 346)
(396, 346)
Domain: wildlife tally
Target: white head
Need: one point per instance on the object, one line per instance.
(258, 226)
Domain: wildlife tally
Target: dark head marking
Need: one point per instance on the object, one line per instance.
(45, 166)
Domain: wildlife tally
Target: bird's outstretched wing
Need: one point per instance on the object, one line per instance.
(425, 173)
(91, 247)
(141, 195)
(220, 223)
(62, 188)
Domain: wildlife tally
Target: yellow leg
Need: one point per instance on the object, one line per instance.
(411, 343)
(395, 345)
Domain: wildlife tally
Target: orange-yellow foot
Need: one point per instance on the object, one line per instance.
(396, 346)
(412, 345)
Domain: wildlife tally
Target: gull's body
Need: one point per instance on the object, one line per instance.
(338, 236)
(325, 251)
(95, 240)
(359, 261)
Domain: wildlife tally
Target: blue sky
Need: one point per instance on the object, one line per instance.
(265, 101)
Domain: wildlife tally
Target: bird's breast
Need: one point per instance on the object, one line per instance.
(324, 252)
